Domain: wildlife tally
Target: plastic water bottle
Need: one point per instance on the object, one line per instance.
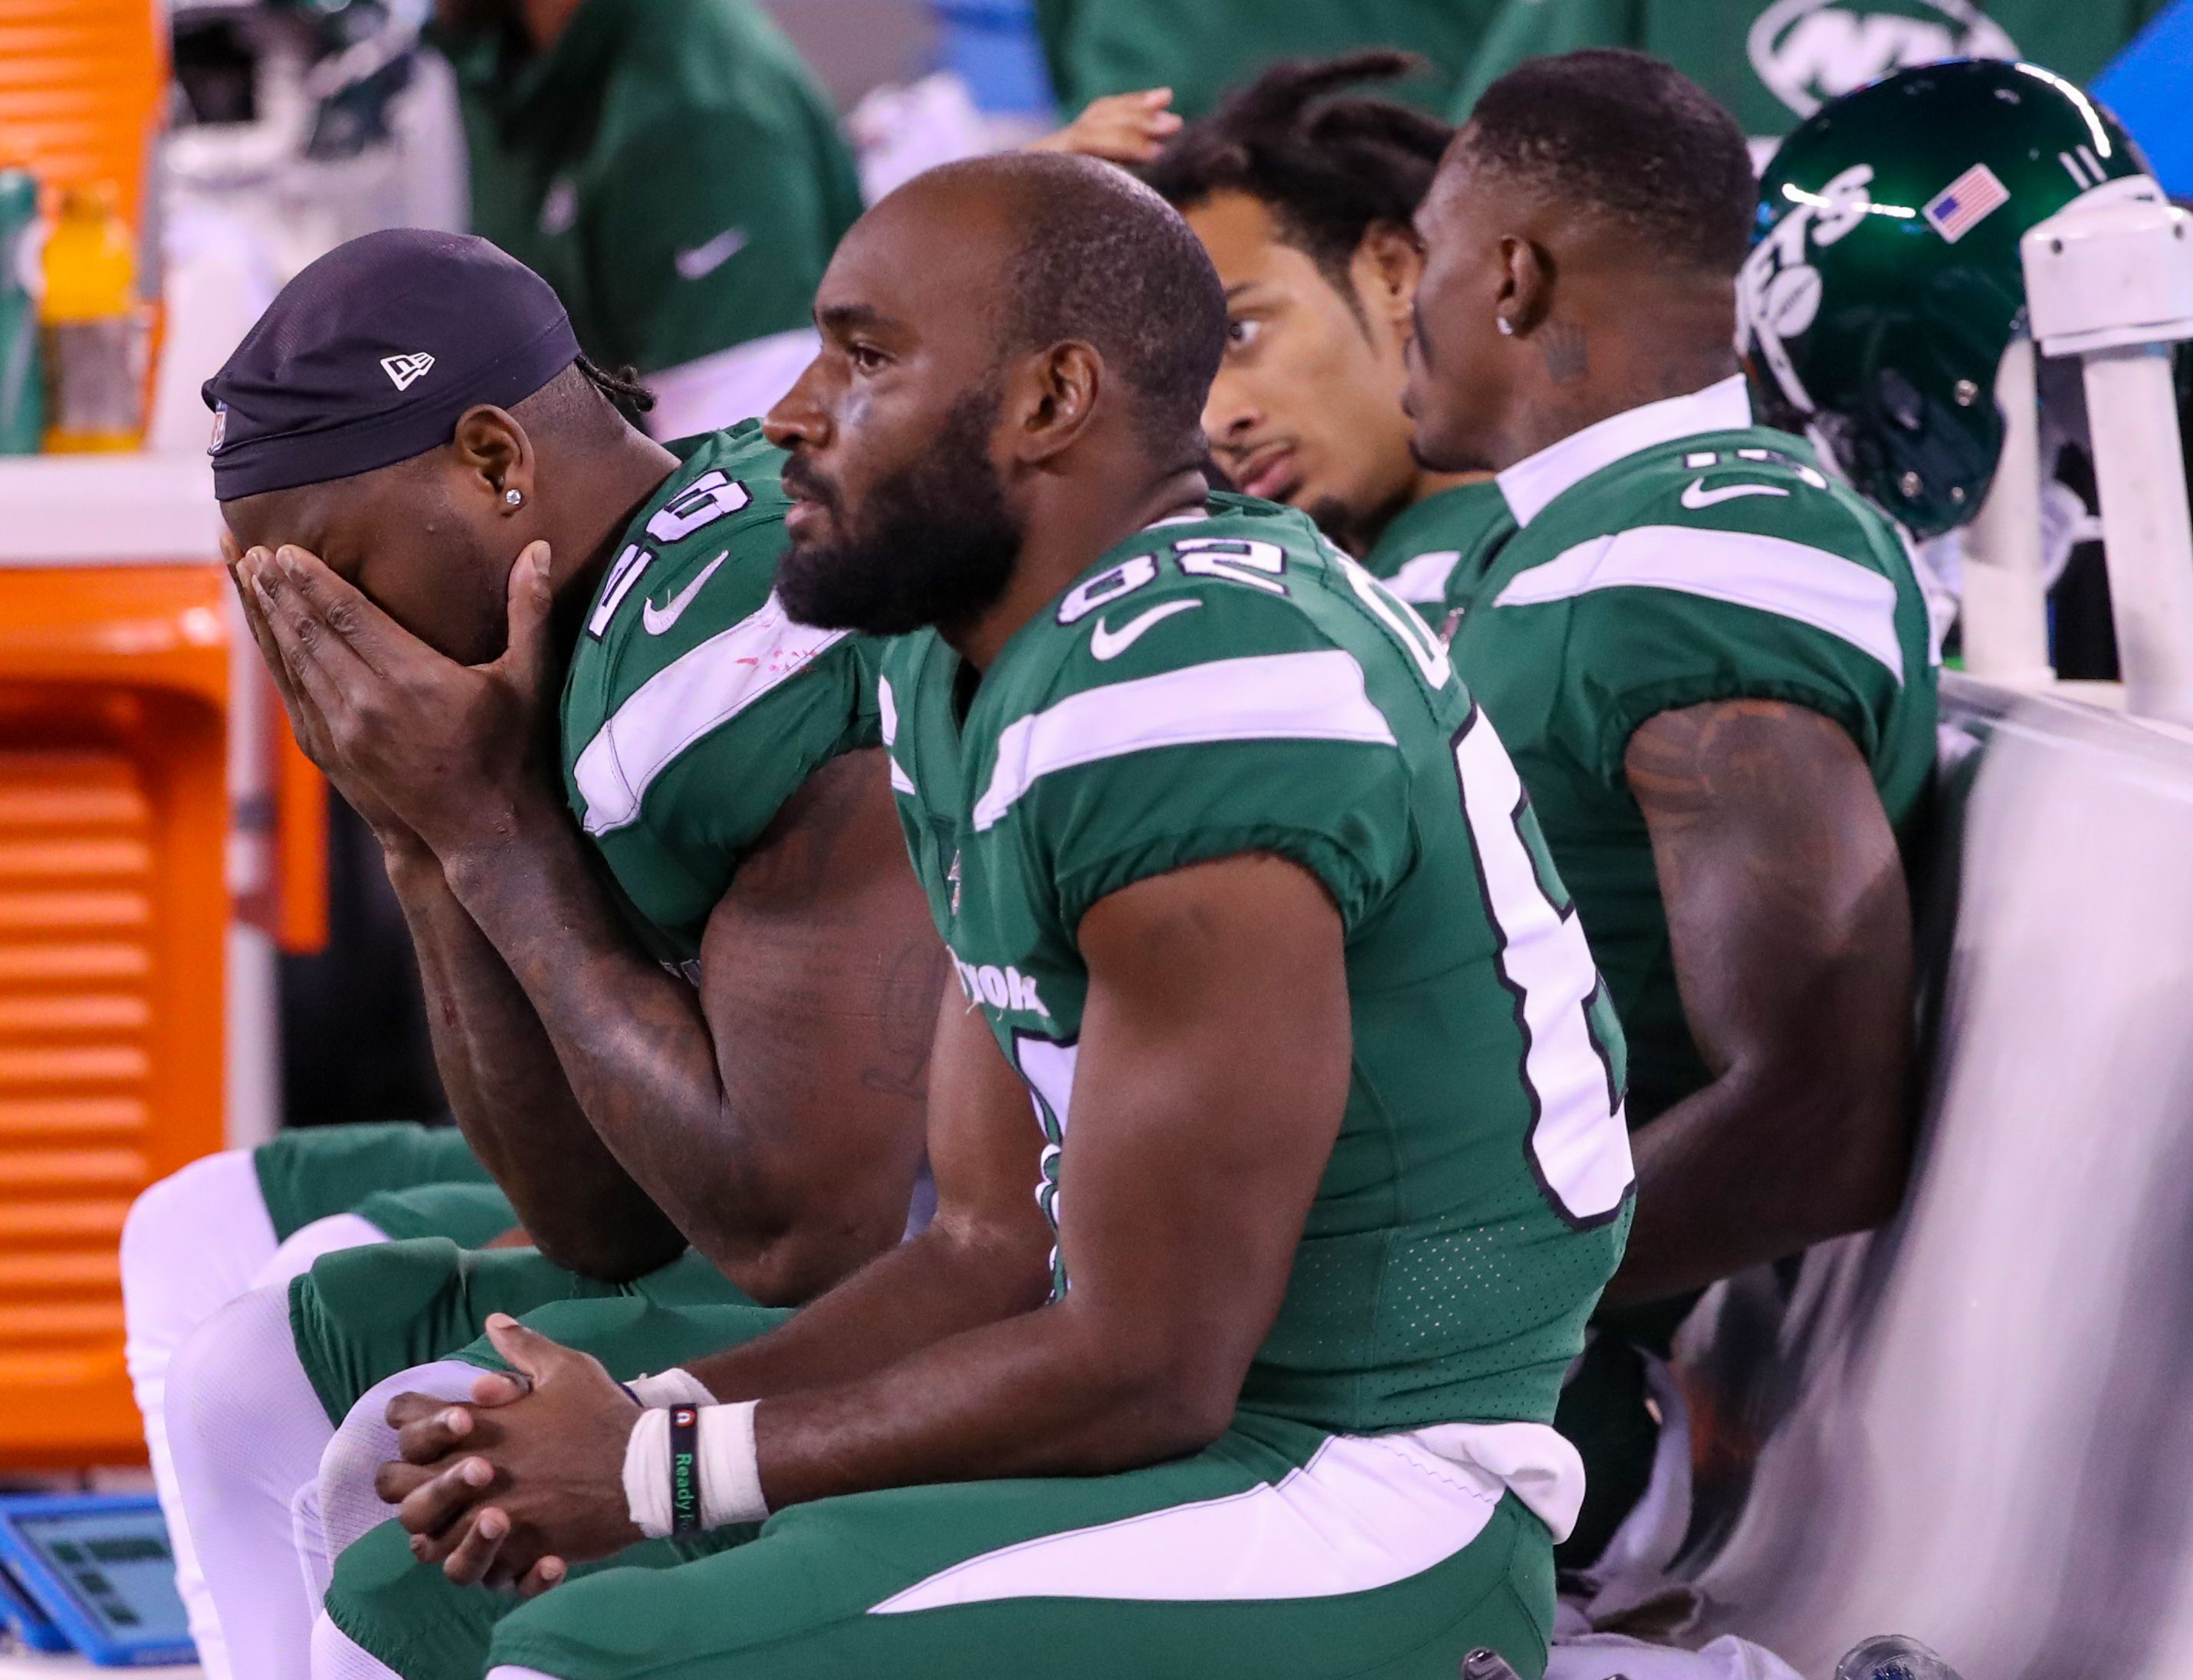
(95, 330)
(1892, 1656)
(22, 383)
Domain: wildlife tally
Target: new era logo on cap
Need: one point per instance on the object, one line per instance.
(1967, 201)
(406, 370)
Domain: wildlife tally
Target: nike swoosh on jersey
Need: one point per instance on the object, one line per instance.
(1107, 643)
(1696, 495)
(660, 619)
(702, 260)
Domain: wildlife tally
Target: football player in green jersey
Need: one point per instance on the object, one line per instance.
(1271, 180)
(1272, 995)
(672, 169)
(738, 1065)
(1305, 195)
(1711, 662)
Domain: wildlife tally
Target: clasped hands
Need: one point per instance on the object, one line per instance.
(424, 748)
(510, 1489)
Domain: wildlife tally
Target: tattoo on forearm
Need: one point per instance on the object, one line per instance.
(1678, 760)
(905, 1018)
(807, 844)
(1775, 768)
(1566, 347)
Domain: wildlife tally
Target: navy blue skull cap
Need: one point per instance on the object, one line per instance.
(371, 354)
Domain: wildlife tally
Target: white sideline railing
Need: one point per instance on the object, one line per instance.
(2005, 606)
(2110, 279)
(1975, 1423)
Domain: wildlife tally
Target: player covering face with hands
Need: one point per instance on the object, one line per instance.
(681, 978)
(1239, 896)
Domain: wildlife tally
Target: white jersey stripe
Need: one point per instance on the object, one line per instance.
(1421, 582)
(887, 719)
(1310, 696)
(886, 711)
(1771, 575)
(1366, 1511)
(698, 691)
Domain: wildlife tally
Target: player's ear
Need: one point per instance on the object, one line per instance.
(1057, 394)
(1388, 263)
(495, 457)
(1526, 286)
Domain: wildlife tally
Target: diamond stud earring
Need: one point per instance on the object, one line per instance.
(1506, 327)
(515, 498)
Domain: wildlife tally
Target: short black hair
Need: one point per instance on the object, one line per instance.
(1328, 165)
(1625, 135)
(1103, 259)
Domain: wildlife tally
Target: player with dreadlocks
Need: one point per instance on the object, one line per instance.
(1304, 193)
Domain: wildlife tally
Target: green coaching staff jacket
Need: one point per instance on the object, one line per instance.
(672, 168)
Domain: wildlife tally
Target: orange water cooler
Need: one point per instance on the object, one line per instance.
(141, 804)
(136, 807)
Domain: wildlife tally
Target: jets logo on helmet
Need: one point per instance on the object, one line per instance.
(1886, 282)
(1808, 52)
(1779, 290)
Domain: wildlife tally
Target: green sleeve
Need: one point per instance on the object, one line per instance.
(1635, 652)
(1339, 808)
(1529, 29)
(700, 816)
(1112, 825)
(720, 227)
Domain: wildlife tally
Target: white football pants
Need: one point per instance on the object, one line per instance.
(193, 1243)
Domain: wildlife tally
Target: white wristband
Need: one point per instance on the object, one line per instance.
(730, 1470)
(647, 1473)
(676, 1387)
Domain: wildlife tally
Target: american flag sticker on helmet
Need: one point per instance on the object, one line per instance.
(1966, 201)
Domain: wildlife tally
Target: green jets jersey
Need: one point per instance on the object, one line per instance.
(1228, 682)
(694, 708)
(1424, 549)
(1775, 62)
(668, 166)
(1668, 557)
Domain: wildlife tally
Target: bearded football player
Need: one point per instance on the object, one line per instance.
(1243, 899)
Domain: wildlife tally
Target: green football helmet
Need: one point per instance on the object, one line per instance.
(1886, 284)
